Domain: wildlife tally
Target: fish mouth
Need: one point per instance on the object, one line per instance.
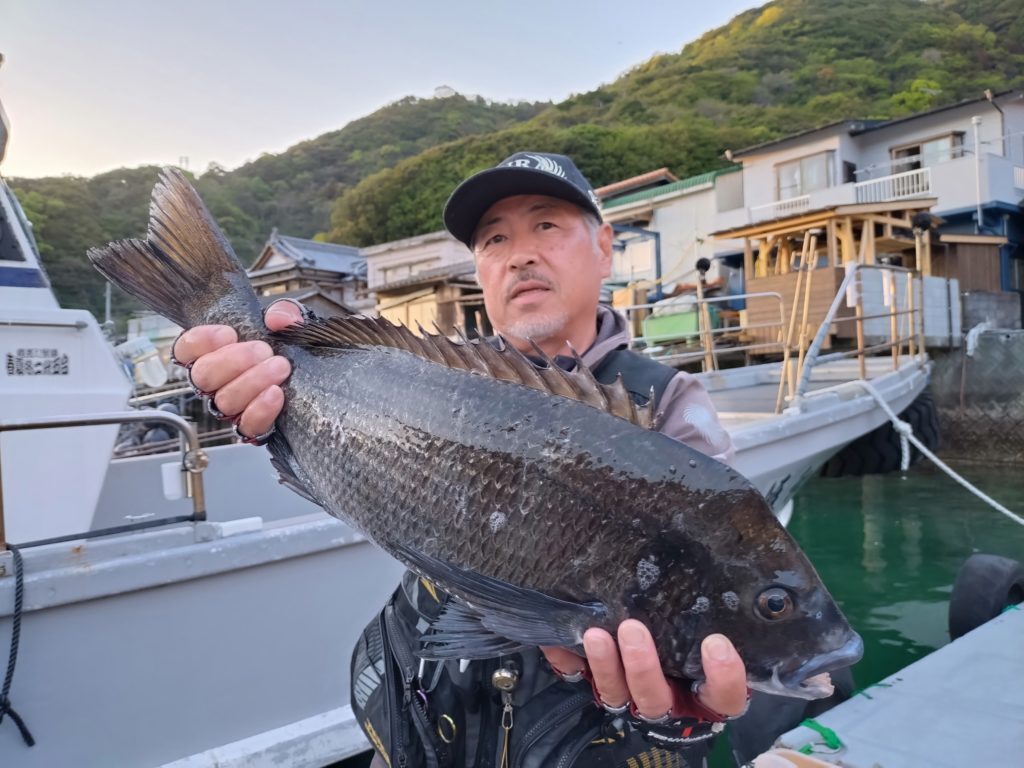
(812, 680)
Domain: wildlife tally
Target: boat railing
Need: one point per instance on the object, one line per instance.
(897, 296)
(712, 339)
(156, 394)
(214, 436)
(193, 461)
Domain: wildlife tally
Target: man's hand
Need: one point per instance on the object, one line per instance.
(630, 671)
(245, 377)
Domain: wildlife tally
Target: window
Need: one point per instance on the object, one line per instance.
(806, 175)
(925, 154)
(9, 248)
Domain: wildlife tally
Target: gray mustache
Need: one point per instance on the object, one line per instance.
(525, 277)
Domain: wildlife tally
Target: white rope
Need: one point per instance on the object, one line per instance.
(906, 433)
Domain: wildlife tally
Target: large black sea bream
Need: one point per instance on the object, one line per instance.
(540, 499)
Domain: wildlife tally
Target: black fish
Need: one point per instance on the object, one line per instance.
(540, 499)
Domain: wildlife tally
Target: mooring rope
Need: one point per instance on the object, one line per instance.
(5, 700)
(906, 433)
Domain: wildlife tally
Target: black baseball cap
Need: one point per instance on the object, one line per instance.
(524, 173)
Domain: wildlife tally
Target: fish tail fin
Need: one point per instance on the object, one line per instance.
(185, 269)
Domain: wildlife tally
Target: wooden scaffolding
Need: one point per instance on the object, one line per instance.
(802, 259)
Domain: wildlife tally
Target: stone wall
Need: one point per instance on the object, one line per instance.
(1001, 309)
(980, 399)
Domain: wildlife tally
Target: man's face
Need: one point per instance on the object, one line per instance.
(540, 266)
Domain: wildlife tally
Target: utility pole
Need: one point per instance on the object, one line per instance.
(976, 122)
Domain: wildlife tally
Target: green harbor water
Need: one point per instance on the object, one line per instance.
(889, 547)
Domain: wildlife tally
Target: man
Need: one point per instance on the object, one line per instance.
(541, 251)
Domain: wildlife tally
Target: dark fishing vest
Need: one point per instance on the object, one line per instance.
(640, 374)
(436, 715)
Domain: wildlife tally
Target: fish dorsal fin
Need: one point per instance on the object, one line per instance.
(501, 361)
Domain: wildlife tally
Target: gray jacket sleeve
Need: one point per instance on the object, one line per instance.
(687, 414)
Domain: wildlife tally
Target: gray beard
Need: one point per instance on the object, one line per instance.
(536, 328)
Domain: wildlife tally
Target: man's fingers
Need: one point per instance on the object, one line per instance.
(606, 667)
(281, 314)
(648, 688)
(235, 396)
(563, 660)
(202, 340)
(261, 413)
(725, 689)
(215, 369)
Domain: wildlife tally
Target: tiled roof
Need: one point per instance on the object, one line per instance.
(666, 189)
(330, 257)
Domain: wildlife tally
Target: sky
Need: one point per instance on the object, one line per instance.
(92, 86)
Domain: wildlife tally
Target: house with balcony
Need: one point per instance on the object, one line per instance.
(967, 159)
(328, 278)
(426, 280)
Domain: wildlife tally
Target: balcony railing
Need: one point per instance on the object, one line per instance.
(899, 186)
(780, 208)
(1018, 177)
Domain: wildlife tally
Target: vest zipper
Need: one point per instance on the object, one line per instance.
(555, 718)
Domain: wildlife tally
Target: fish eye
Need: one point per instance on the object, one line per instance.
(774, 603)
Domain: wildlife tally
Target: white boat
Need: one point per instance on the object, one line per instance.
(211, 627)
(184, 609)
(788, 418)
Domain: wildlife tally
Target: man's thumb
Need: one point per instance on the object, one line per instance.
(282, 313)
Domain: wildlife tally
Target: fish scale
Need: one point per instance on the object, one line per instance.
(534, 496)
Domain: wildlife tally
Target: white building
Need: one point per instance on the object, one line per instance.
(426, 280)
(968, 156)
(683, 213)
(402, 259)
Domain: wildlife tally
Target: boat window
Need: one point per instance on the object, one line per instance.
(10, 250)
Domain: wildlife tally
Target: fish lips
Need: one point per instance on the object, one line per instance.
(809, 680)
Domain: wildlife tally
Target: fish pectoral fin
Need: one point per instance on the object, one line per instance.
(495, 611)
(283, 460)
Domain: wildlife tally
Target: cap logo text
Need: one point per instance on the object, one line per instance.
(538, 162)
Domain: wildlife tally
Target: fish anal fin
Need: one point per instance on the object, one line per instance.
(458, 633)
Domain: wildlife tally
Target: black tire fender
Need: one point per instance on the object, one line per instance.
(985, 585)
(879, 451)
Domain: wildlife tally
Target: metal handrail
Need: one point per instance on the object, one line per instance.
(165, 446)
(707, 335)
(193, 460)
(78, 325)
(162, 394)
(854, 270)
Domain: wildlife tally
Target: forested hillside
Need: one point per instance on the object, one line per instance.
(293, 191)
(773, 70)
